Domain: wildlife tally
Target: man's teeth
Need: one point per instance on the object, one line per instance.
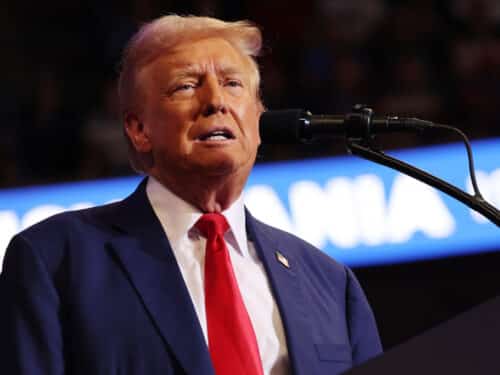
(217, 137)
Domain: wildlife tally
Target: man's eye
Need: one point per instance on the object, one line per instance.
(184, 86)
(234, 83)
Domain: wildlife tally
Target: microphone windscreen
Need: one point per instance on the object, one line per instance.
(282, 126)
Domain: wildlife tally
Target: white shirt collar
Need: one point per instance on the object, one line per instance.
(177, 216)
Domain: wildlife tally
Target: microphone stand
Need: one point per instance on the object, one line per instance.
(360, 143)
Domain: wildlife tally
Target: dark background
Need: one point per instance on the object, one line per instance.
(437, 60)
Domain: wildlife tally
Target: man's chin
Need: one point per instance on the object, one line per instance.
(224, 166)
(215, 168)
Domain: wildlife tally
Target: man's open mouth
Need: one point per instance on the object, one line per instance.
(217, 135)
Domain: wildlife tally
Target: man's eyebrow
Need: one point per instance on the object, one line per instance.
(230, 70)
(194, 70)
(186, 71)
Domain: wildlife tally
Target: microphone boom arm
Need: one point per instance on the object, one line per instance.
(477, 204)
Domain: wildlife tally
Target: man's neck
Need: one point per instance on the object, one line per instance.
(208, 194)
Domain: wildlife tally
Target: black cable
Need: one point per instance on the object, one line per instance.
(477, 193)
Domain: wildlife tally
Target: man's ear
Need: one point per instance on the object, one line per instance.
(137, 133)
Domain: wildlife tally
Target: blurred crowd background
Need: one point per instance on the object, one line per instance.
(437, 60)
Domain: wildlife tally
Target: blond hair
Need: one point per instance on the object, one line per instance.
(159, 36)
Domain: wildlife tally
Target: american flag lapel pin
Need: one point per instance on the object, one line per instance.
(282, 259)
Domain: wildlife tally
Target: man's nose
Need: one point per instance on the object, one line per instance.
(213, 97)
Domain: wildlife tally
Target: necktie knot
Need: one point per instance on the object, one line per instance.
(212, 224)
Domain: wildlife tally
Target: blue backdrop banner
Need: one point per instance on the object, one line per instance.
(358, 212)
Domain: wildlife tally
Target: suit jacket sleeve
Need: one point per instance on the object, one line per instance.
(363, 333)
(31, 335)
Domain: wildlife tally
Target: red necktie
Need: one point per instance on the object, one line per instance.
(231, 339)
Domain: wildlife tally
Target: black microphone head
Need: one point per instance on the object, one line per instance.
(282, 126)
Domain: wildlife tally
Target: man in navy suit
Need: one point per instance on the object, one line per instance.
(118, 289)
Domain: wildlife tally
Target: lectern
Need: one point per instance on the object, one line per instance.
(467, 344)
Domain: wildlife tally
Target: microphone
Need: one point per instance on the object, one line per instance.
(290, 126)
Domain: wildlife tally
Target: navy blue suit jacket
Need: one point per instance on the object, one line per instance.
(98, 291)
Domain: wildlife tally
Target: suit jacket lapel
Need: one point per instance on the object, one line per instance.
(287, 290)
(146, 256)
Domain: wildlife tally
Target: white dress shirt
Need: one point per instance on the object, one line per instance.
(177, 218)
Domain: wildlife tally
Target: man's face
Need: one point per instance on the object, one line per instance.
(201, 113)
